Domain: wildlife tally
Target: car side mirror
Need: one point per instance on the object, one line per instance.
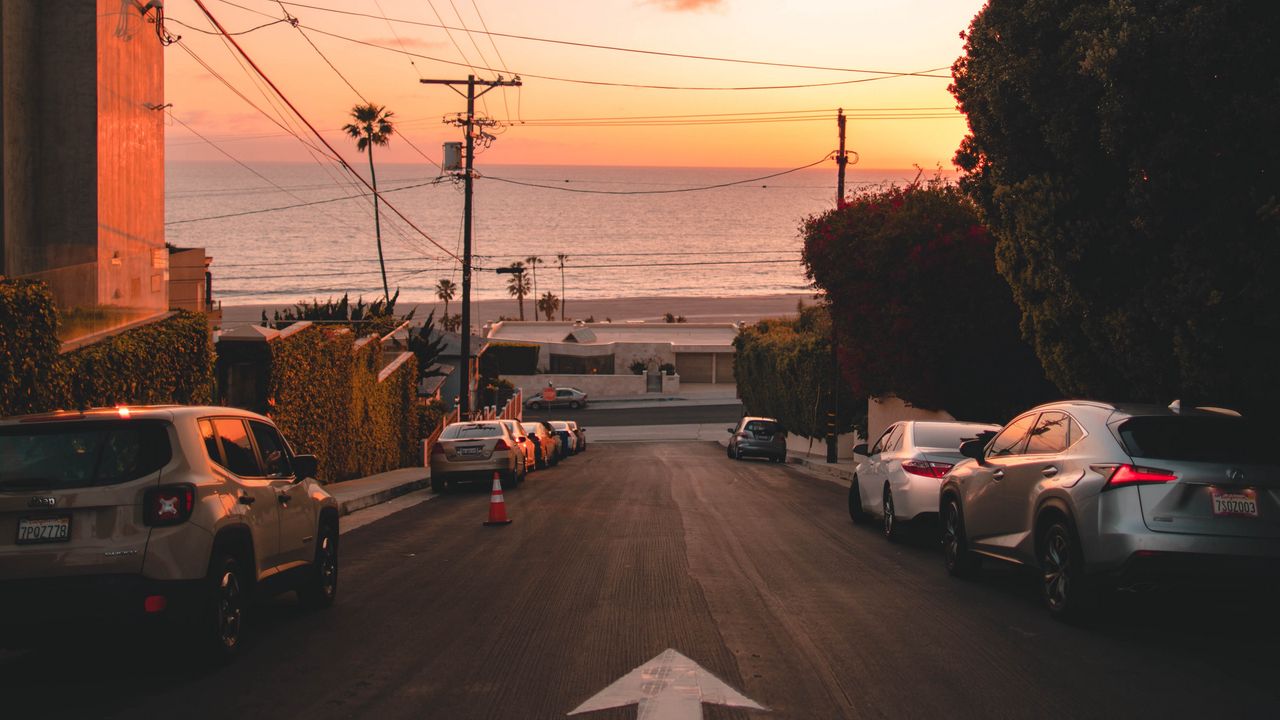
(973, 449)
(729, 430)
(305, 466)
(860, 449)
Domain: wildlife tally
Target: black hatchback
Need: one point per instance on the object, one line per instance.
(758, 437)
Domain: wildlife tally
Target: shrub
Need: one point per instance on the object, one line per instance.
(637, 367)
(28, 345)
(667, 368)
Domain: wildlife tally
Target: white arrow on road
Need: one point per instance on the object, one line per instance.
(668, 687)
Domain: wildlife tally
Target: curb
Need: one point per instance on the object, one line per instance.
(820, 469)
(360, 502)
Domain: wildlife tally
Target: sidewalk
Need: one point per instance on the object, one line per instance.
(365, 492)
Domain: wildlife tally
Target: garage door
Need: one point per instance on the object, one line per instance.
(694, 367)
(724, 368)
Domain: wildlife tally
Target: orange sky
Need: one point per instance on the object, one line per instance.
(892, 35)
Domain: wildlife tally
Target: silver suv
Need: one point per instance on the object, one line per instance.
(1098, 496)
(179, 514)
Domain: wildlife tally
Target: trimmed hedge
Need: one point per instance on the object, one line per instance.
(783, 370)
(169, 361)
(325, 396)
(28, 345)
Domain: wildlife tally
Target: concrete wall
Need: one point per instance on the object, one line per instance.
(817, 447)
(885, 411)
(595, 386)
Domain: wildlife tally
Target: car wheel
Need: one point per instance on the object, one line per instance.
(959, 560)
(856, 513)
(510, 480)
(320, 588)
(438, 485)
(891, 532)
(1067, 593)
(225, 604)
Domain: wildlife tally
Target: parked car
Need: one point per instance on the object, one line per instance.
(758, 437)
(580, 433)
(548, 445)
(568, 439)
(899, 480)
(571, 398)
(1098, 496)
(173, 514)
(527, 445)
(473, 452)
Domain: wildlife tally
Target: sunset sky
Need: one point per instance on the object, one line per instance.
(886, 35)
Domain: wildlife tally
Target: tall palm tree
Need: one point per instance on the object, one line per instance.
(560, 258)
(372, 126)
(548, 304)
(445, 291)
(533, 261)
(518, 285)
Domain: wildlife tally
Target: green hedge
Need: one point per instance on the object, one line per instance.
(325, 396)
(783, 370)
(169, 361)
(28, 345)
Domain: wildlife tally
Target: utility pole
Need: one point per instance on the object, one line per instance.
(469, 125)
(833, 402)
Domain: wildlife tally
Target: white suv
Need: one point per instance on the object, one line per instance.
(174, 513)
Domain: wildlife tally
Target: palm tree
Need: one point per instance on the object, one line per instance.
(518, 285)
(548, 304)
(445, 291)
(533, 261)
(560, 258)
(372, 126)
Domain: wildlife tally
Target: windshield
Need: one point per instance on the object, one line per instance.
(472, 431)
(1199, 438)
(81, 454)
(559, 425)
(531, 428)
(761, 426)
(948, 435)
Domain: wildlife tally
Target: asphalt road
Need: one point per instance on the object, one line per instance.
(728, 414)
(750, 569)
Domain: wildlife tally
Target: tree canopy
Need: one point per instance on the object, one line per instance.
(921, 313)
(1122, 154)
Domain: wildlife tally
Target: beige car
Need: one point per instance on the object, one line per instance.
(528, 445)
(473, 452)
(177, 514)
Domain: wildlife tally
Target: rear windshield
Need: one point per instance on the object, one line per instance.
(947, 436)
(60, 455)
(470, 432)
(531, 428)
(1199, 439)
(760, 426)
(560, 425)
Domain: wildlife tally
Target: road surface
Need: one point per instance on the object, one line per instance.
(728, 414)
(749, 569)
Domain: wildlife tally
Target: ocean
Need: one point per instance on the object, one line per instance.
(730, 241)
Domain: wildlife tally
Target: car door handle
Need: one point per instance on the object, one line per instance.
(246, 499)
(997, 474)
(1049, 471)
(282, 498)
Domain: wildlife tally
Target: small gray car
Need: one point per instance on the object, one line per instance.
(758, 437)
(1096, 496)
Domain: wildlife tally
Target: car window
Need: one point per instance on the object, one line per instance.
(1012, 438)
(1052, 434)
(894, 441)
(946, 435)
(564, 393)
(1200, 438)
(275, 456)
(236, 446)
(881, 442)
(211, 442)
(761, 426)
(472, 431)
(82, 454)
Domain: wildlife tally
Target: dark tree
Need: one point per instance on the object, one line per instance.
(427, 343)
(919, 309)
(1123, 154)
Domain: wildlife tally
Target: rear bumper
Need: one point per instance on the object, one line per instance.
(34, 607)
(746, 447)
(1236, 572)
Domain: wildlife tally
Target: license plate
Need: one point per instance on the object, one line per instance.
(44, 530)
(469, 450)
(1242, 503)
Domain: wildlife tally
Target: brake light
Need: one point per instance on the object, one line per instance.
(168, 505)
(924, 468)
(437, 449)
(501, 445)
(1122, 475)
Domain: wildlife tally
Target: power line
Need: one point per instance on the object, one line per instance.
(594, 46)
(658, 192)
(301, 204)
(676, 253)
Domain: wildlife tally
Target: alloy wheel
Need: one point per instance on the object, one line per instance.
(1056, 565)
(328, 567)
(890, 519)
(230, 609)
(951, 535)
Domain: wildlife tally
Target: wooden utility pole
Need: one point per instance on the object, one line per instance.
(469, 125)
(833, 403)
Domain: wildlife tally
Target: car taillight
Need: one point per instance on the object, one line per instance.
(168, 505)
(501, 445)
(924, 468)
(1122, 475)
(437, 449)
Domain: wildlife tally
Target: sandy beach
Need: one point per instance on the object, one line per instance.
(694, 309)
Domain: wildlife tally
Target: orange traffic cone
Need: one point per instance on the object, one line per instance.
(497, 506)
